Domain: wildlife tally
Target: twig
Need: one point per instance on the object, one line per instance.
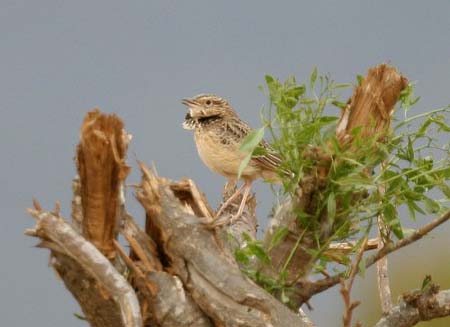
(384, 289)
(347, 288)
(418, 306)
(347, 247)
(416, 235)
(307, 289)
(77, 208)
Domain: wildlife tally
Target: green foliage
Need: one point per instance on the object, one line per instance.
(412, 168)
(364, 181)
(252, 248)
(298, 122)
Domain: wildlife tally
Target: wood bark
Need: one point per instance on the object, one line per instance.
(204, 265)
(416, 306)
(105, 296)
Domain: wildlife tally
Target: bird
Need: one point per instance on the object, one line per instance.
(218, 134)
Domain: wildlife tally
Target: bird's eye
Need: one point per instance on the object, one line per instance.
(208, 102)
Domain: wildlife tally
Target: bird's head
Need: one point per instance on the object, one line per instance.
(205, 107)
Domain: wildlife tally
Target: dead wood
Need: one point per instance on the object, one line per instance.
(102, 169)
(372, 103)
(103, 294)
(163, 299)
(419, 305)
(208, 272)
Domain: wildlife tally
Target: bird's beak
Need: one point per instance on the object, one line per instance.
(195, 109)
(188, 102)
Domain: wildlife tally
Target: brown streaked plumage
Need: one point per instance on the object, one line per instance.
(218, 133)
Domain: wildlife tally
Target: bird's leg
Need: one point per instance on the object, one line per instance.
(247, 187)
(230, 219)
(230, 199)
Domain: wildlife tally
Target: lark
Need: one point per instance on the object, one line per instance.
(218, 134)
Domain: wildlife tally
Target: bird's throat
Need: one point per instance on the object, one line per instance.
(192, 123)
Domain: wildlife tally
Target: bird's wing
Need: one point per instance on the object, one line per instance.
(270, 160)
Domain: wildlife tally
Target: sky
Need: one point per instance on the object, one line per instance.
(59, 59)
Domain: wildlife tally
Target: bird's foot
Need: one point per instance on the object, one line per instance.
(221, 209)
(224, 220)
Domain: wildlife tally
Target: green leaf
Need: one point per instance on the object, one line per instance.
(331, 207)
(445, 189)
(284, 297)
(296, 92)
(249, 144)
(391, 218)
(342, 86)
(313, 78)
(423, 129)
(259, 151)
(414, 196)
(247, 237)
(359, 79)
(426, 282)
(252, 140)
(443, 173)
(339, 104)
(269, 79)
(412, 212)
(244, 164)
(396, 181)
(241, 256)
(256, 250)
(413, 102)
(278, 237)
(303, 217)
(356, 182)
(431, 206)
(410, 150)
(438, 120)
(327, 119)
(416, 207)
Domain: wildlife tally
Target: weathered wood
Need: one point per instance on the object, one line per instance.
(102, 170)
(207, 271)
(173, 305)
(418, 306)
(104, 295)
(162, 297)
(372, 104)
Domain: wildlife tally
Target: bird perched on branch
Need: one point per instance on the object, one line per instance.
(218, 133)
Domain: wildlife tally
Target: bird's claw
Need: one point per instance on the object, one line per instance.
(224, 220)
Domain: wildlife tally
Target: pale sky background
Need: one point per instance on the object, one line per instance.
(59, 59)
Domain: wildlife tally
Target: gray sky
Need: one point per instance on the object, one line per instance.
(59, 59)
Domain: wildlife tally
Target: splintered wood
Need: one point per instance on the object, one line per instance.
(372, 103)
(102, 169)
